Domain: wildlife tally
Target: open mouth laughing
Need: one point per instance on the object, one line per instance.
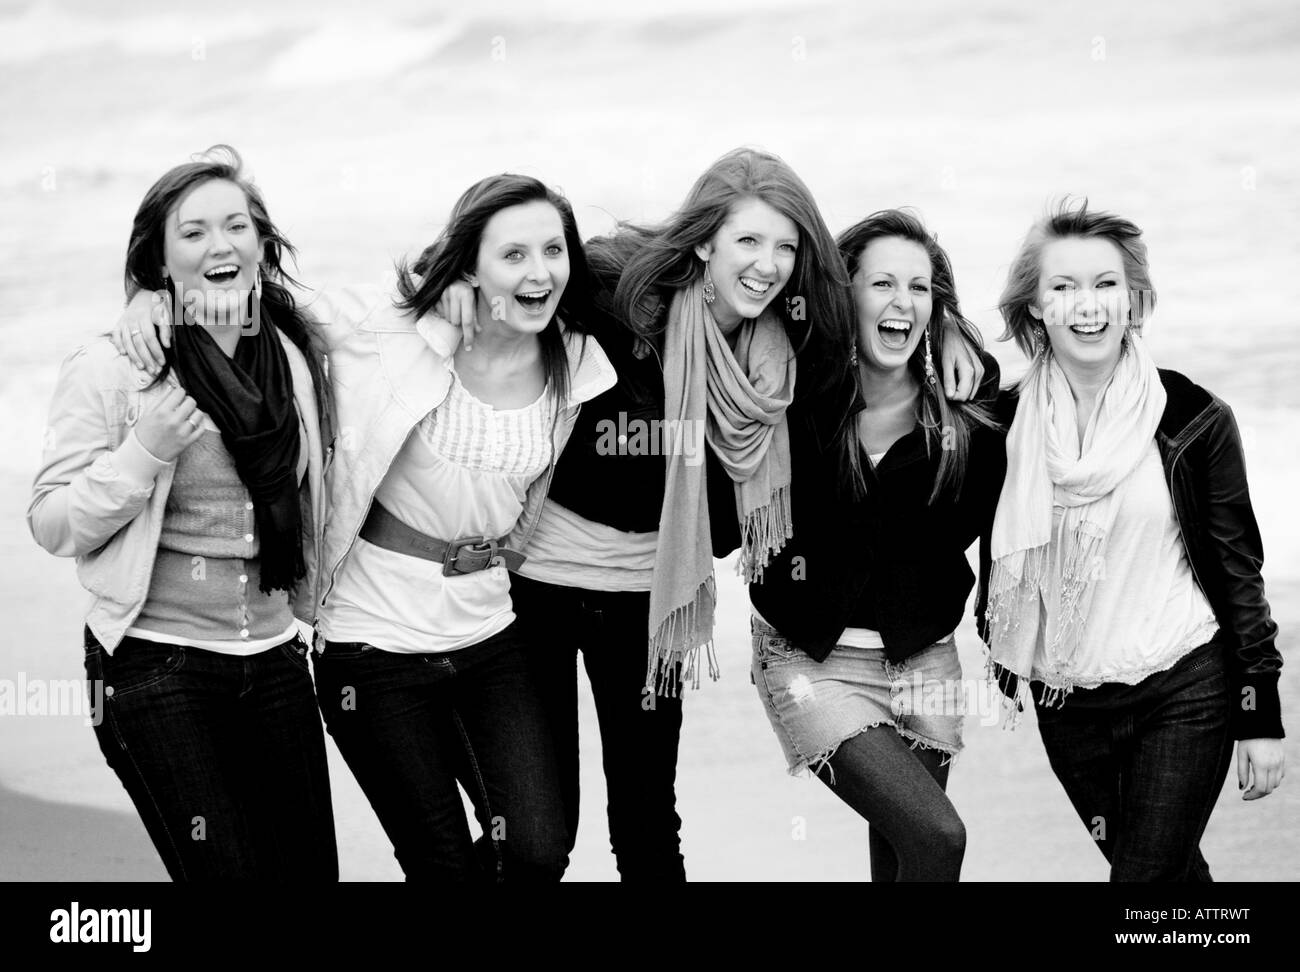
(894, 333)
(1093, 329)
(222, 274)
(533, 301)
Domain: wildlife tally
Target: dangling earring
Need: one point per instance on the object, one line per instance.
(930, 377)
(255, 297)
(710, 292)
(853, 355)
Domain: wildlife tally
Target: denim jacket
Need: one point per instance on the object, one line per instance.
(388, 372)
(99, 496)
(1205, 470)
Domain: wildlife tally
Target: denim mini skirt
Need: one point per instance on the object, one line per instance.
(815, 706)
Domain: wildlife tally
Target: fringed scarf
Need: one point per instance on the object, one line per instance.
(1043, 588)
(741, 397)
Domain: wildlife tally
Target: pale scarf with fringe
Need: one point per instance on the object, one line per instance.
(741, 397)
(1037, 587)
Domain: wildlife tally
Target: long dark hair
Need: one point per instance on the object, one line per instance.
(145, 257)
(455, 253)
(939, 416)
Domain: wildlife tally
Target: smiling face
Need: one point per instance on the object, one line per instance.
(211, 250)
(750, 258)
(523, 267)
(894, 297)
(1083, 299)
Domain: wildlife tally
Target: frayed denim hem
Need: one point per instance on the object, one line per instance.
(813, 765)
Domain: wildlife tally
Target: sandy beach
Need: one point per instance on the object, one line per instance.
(363, 132)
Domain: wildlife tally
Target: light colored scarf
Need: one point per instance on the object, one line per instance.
(1036, 588)
(741, 397)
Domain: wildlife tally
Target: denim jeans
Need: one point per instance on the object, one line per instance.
(411, 726)
(1144, 764)
(639, 732)
(223, 757)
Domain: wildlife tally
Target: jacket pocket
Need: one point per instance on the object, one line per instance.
(122, 408)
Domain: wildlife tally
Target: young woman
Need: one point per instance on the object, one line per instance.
(421, 678)
(854, 656)
(1125, 584)
(193, 503)
(704, 317)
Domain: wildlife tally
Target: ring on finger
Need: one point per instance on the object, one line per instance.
(135, 331)
(194, 421)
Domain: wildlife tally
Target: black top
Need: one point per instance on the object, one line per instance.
(624, 487)
(891, 557)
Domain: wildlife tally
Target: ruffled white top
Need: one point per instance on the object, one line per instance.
(464, 472)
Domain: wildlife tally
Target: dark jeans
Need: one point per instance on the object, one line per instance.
(1144, 764)
(411, 726)
(639, 732)
(915, 833)
(223, 757)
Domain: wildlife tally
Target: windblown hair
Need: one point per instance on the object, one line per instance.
(947, 424)
(145, 256)
(454, 254)
(816, 304)
(1071, 218)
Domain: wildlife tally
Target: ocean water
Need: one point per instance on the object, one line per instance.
(362, 129)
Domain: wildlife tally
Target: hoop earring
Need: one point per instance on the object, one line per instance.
(710, 292)
(931, 378)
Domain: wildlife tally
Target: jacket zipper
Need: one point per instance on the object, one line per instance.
(1193, 430)
(550, 474)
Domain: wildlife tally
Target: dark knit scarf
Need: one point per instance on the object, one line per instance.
(250, 398)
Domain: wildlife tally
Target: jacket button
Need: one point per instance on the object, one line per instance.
(248, 538)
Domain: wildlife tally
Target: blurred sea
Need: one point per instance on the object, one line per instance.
(362, 128)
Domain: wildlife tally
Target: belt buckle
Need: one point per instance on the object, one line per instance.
(483, 549)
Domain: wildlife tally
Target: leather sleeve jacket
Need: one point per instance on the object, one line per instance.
(1205, 470)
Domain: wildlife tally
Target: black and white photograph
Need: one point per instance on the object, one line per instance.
(769, 442)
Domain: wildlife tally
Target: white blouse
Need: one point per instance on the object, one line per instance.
(1146, 611)
(464, 472)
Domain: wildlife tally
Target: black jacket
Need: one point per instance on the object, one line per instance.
(1205, 469)
(891, 556)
